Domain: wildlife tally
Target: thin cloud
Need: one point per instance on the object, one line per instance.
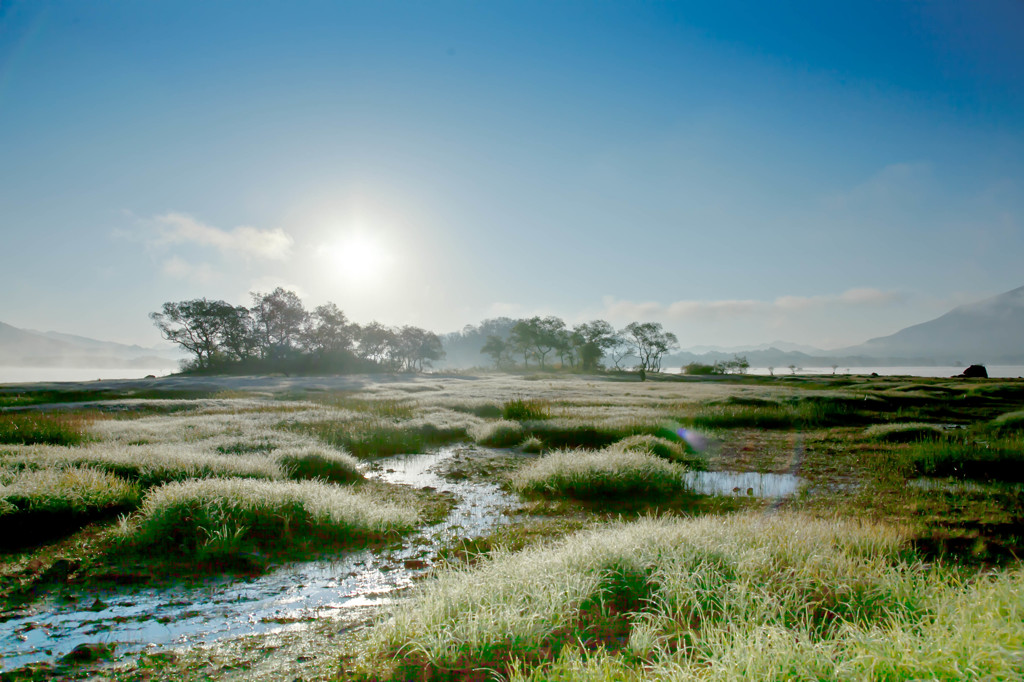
(740, 308)
(179, 268)
(179, 228)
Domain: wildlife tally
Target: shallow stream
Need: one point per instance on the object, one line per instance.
(192, 613)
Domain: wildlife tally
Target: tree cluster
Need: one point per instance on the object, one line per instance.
(539, 340)
(277, 333)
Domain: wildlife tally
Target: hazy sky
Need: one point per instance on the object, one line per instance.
(818, 172)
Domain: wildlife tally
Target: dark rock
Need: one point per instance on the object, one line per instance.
(89, 653)
(975, 372)
(61, 570)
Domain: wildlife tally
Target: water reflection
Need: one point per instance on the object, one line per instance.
(750, 484)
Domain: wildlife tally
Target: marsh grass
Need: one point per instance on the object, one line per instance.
(904, 433)
(502, 433)
(36, 505)
(999, 459)
(319, 463)
(215, 519)
(381, 437)
(612, 473)
(807, 412)
(739, 597)
(524, 409)
(671, 449)
(1010, 422)
(30, 428)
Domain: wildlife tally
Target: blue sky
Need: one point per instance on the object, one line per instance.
(741, 172)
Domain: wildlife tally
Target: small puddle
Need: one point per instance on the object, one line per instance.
(188, 613)
(750, 484)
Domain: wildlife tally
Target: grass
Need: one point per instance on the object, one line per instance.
(380, 438)
(502, 433)
(904, 433)
(1009, 422)
(30, 428)
(524, 409)
(724, 595)
(613, 473)
(40, 504)
(216, 519)
(673, 450)
(999, 459)
(748, 596)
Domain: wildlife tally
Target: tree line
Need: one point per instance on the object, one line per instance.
(277, 334)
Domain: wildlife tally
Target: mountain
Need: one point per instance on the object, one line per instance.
(988, 331)
(28, 348)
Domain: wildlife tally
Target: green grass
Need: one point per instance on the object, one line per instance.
(524, 409)
(36, 505)
(904, 433)
(673, 450)
(215, 519)
(998, 459)
(30, 428)
(1010, 422)
(380, 437)
(609, 474)
(502, 433)
(740, 597)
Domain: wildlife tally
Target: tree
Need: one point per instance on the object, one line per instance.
(738, 365)
(415, 348)
(328, 331)
(499, 349)
(537, 336)
(649, 343)
(619, 349)
(594, 339)
(198, 326)
(238, 333)
(377, 343)
(279, 320)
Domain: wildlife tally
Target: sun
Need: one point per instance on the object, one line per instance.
(358, 258)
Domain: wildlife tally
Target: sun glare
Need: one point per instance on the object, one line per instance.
(357, 258)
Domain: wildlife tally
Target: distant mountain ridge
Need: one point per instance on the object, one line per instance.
(29, 348)
(990, 331)
(987, 331)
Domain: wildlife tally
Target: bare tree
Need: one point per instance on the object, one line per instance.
(650, 343)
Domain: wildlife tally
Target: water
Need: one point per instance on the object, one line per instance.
(747, 483)
(994, 371)
(21, 375)
(187, 614)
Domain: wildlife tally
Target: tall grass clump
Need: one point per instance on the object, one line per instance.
(319, 462)
(36, 504)
(72, 489)
(746, 596)
(149, 464)
(1000, 459)
(214, 518)
(30, 428)
(1010, 422)
(612, 473)
(526, 409)
(503, 433)
(671, 450)
(903, 433)
(378, 437)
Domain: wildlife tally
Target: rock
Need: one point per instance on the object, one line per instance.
(88, 653)
(61, 570)
(975, 372)
(415, 564)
